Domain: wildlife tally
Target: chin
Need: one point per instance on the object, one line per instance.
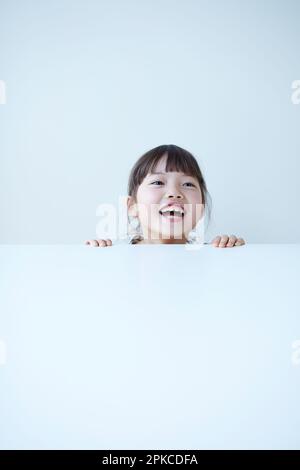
(179, 236)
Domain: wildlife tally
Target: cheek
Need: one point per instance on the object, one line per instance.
(147, 196)
(148, 200)
(148, 206)
(195, 209)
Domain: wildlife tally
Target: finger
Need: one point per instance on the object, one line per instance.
(91, 242)
(102, 243)
(232, 240)
(108, 242)
(216, 241)
(224, 240)
(240, 242)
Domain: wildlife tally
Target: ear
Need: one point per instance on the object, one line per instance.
(131, 206)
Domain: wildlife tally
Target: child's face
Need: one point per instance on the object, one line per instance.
(159, 190)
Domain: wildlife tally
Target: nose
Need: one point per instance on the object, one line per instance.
(173, 195)
(173, 191)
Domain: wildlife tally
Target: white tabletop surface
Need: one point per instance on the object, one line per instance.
(140, 347)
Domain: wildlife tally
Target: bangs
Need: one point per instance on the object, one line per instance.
(178, 159)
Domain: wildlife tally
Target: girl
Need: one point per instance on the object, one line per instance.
(166, 187)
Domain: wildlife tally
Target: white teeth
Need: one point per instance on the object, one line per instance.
(173, 209)
(176, 213)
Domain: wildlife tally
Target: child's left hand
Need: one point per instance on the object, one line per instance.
(225, 241)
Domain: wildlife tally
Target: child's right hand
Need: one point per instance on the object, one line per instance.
(99, 242)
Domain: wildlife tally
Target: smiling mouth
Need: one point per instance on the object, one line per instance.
(172, 215)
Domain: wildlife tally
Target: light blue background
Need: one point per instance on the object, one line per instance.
(91, 85)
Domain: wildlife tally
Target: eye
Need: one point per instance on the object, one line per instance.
(158, 181)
